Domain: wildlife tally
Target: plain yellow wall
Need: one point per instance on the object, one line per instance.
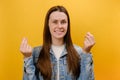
(25, 18)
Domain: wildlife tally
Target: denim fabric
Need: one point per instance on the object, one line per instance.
(86, 66)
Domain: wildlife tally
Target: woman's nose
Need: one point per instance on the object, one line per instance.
(59, 25)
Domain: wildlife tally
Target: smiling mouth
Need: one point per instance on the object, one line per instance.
(59, 31)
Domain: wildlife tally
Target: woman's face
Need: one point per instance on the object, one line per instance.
(58, 24)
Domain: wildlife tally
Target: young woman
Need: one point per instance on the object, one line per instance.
(58, 58)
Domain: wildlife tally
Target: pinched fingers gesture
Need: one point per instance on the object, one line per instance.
(89, 42)
(25, 48)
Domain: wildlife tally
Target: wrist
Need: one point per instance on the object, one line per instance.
(85, 51)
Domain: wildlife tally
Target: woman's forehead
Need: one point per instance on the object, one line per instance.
(58, 15)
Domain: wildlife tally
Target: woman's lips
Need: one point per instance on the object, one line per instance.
(59, 31)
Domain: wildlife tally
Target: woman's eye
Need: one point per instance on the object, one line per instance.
(63, 22)
(55, 21)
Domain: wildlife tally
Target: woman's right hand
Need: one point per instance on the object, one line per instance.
(25, 49)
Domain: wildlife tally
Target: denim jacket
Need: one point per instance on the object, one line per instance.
(86, 66)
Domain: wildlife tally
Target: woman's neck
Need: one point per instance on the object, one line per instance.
(57, 42)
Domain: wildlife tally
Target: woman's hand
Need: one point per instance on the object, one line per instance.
(89, 42)
(25, 49)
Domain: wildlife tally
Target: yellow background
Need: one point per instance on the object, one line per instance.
(25, 18)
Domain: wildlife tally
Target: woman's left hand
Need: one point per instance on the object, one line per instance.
(89, 42)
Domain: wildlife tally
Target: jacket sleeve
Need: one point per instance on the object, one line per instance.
(29, 69)
(87, 71)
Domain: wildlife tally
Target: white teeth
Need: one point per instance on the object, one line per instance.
(58, 30)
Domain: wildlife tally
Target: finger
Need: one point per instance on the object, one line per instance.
(23, 41)
(86, 42)
(90, 35)
(29, 48)
(23, 45)
(89, 39)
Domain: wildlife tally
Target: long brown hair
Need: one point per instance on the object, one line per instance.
(44, 63)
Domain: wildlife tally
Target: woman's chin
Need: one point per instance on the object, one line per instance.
(59, 37)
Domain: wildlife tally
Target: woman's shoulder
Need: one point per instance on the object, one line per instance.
(36, 51)
(77, 48)
(37, 48)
